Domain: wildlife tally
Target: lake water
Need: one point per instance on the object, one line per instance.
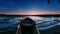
(46, 25)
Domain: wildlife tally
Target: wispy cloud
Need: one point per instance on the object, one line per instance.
(28, 5)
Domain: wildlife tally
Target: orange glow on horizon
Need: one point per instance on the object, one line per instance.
(29, 13)
(32, 13)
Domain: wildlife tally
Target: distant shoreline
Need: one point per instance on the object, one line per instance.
(42, 15)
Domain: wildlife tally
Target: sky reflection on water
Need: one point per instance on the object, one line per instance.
(43, 23)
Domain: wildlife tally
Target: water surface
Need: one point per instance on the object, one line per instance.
(10, 24)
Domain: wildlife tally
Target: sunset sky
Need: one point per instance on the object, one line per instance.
(29, 7)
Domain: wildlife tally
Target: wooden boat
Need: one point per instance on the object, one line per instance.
(27, 26)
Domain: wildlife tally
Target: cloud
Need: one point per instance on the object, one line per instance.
(28, 5)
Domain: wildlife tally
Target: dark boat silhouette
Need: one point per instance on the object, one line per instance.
(27, 26)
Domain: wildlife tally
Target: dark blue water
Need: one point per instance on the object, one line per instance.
(46, 25)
